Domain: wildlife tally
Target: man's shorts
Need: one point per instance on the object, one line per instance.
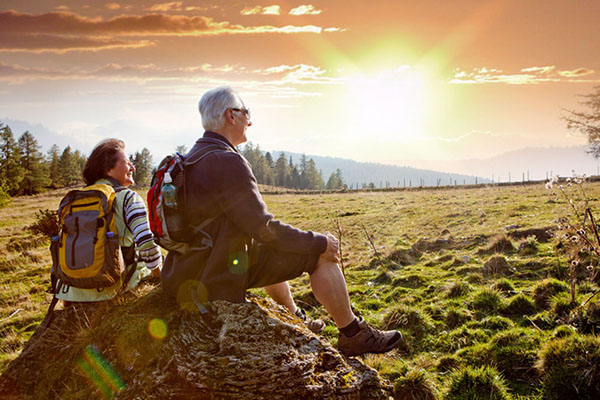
(269, 266)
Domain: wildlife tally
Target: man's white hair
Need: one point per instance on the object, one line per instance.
(213, 104)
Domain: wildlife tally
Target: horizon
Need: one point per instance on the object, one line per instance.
(386, 83)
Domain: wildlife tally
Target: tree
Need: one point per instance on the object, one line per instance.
(35, 172)
(53, 166)
(588, 121)
(68, 167)
(335, 181)
(11, 172)
(282, 172)
(181, 149)
(142, 161)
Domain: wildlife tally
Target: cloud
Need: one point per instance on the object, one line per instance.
(576, 72)
(42, 43)
(112, 6)
(268, 10)
(541, 70)
(305, 10)
(172, 6)
(526, 76)
(62, 8)
(33, 31)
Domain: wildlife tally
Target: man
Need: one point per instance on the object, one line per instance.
(250, 248)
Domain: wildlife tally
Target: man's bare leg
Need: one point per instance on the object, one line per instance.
(329, 287)
(280, 292)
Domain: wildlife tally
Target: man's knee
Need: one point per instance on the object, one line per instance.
(324, 264)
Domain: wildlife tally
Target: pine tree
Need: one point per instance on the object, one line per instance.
(11, 172)
(142, 161)
(282, 172)
(36, 174)
(335, 181)
(53, 166)
(181, 149)
(68, 167)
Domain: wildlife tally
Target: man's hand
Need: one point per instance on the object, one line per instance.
(332, 252)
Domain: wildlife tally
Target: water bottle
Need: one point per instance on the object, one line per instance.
(169, 192)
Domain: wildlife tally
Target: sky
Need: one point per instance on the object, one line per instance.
(389, 81)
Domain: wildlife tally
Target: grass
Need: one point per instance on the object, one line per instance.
(467, 275)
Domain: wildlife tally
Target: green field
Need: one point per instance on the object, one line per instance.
(469, 275)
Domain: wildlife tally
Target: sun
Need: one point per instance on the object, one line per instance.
(391, 105)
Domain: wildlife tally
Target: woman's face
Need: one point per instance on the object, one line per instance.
(122, 172)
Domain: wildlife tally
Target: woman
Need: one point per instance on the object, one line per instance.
(110, 165)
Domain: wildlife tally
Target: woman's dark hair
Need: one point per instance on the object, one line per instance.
(102, 160)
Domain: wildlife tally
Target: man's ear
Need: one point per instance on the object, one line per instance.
(229, 116)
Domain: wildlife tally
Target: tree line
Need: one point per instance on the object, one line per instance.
(25, 170)
(283, 172)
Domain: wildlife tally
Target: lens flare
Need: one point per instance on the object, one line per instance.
(100, 372)
(157, 328)
(238, 263)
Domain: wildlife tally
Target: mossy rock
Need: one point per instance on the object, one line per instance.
(150, 348)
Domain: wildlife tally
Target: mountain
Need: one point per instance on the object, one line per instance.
(538, 163)
(356, 173)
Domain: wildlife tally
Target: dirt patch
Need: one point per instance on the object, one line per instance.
(542, 235)
(499, 245)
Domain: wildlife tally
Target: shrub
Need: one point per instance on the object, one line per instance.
(504, 286)
(457, 289)
(496, 265)
(562, 304)
(570, 368)
(486, 300)
(415, 320)
(493, 323)
(477, 383)
(416, 385)
(448, 363)
(456, 317)
(4, 196)
(587, 319)
(564, 331)
(519, 305)
(461, 338)
(499, 245)
(546, 289)
(46, 223)
(528, 247)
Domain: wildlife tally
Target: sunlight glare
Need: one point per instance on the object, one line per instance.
(390, 105)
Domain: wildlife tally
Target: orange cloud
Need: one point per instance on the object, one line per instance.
(530, 75)
(305, 10)
(268, 10)
(576, 72)
(42, 43)
(112, 6)
(172, 6)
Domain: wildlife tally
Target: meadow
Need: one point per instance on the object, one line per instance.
(477, 279)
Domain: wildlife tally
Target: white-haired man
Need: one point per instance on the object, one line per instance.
(249, 247)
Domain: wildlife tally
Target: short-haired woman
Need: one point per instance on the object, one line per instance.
(108, 163)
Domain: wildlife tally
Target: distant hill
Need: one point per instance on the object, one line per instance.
(538, 163)
(356, 173)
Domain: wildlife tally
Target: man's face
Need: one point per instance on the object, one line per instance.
(241, 117)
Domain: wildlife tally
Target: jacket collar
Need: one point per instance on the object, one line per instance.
(214, 135)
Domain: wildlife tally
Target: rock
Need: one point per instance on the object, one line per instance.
(149, 348)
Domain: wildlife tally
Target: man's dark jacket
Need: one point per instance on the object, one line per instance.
(222, 185)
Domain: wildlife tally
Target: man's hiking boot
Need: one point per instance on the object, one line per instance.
(369, 340)
(315, 325)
